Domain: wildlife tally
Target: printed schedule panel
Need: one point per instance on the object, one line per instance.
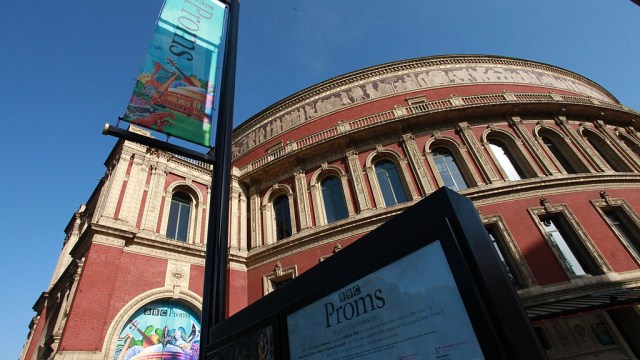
(408, 309)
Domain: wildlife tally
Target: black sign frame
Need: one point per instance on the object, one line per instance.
(501, 326)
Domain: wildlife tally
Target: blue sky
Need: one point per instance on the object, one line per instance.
(67, 67)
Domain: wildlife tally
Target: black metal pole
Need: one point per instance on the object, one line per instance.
(215, 268)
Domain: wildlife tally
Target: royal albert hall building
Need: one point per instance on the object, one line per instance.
(550, 159)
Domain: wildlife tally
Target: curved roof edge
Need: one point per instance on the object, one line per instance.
(393, 66)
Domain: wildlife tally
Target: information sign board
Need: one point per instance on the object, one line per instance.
(409, 309)
(410, 289)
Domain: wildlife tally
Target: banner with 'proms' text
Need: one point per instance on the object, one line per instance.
(176, 89)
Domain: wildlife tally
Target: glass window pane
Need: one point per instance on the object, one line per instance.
(448, 169)
(334, 203)
(631, 145)
(616, 219)
(562, 247)
(173, 219)
(601, 148)
(505, 264)
(282, 217)
(390, 184)
(559, 155)
(506, 160)
(183, 222)
(179, 217)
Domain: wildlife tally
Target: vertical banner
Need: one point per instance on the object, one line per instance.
(175, 92)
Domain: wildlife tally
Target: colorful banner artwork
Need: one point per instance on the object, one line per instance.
(176, 89)
(160, 330)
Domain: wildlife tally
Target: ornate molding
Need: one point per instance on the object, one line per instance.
(319, 236)
(404, 77)
(538, 213)
(391, 116)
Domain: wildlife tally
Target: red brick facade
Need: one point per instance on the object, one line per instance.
(431, 119)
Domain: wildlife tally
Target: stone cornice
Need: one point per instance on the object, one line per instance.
(582, 286)
(548, 185)
(401, 114)
(485, 195)
(402, 66)
(133, 241)
(359, 224)
(406, 78)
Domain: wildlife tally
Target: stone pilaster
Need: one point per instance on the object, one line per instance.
(377, 196)
(355, 170)
(532, 146)
(256, 223)
(243, 220)
(593, 163)
(417, 163)
(464, 130)
(234, 211)
(617, 145)
(302, 200)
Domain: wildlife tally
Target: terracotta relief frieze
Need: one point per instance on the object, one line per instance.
(358, 90)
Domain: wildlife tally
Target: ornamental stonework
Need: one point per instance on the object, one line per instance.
(382, 85)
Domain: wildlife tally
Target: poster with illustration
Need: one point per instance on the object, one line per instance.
(175, 91)
(160, 330)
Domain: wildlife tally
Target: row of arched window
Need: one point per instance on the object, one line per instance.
(514, 165)
(456, 173)
(449, 167)
(333, 197)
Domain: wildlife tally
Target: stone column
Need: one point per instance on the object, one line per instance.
(404, 173)
(234, 210)
(377, 196)
(532, 147)
(318, 210)
(243, 219)
(256, 223)
(302, 200)
(417, 163)
(344, 179)
(464, 130)
(617, 145)
(592, 163)
(355, 170)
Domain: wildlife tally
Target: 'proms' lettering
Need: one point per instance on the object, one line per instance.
(336, 314)
(184, 38)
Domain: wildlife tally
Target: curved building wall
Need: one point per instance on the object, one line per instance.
(550, 159)
(558, 194)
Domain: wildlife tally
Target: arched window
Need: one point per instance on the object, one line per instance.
(506, 160)
(179, 215)
(448, 169)
(632, 145)
(282, 217)
(606, 152)
(558, 154)
(390, 185)
(334, 203)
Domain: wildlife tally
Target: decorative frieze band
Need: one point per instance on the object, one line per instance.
(358, 91)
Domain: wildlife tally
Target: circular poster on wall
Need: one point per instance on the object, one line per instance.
(160, 330)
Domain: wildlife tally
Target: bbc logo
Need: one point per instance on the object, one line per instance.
(349, 293)
(155, 312)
